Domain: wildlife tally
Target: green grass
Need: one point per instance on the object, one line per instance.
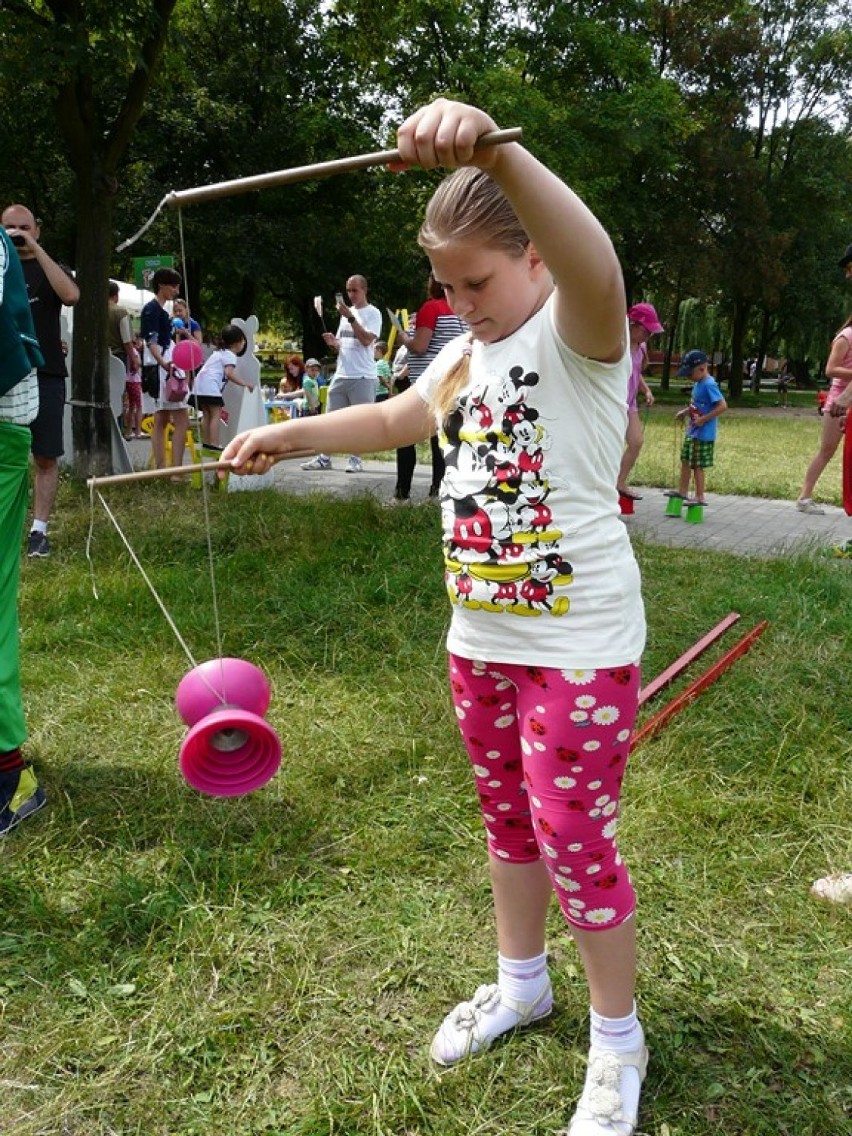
(275, 965)
(756, 455)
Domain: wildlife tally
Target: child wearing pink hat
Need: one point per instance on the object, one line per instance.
(643, 324)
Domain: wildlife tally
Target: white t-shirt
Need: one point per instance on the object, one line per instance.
(539, 566)
(354, 360)
(211, 380)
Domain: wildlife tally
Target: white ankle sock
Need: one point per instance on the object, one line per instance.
(618, 1035)
(522, 979)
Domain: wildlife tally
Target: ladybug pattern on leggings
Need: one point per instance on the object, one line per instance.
(548, 749)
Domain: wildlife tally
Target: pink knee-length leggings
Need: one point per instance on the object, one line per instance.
(549, 748)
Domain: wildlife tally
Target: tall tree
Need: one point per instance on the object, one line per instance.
(94, 64)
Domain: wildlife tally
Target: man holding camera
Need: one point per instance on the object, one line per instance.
(49, 286)
(354, 379)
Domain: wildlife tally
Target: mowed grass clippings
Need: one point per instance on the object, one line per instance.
(277, 964)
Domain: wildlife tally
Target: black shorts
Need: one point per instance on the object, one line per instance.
(47, 426)
(199, 401)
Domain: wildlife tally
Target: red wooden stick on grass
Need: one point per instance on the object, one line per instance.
(658, 720)
(680, 664)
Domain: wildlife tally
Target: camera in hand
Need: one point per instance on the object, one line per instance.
(17, 239)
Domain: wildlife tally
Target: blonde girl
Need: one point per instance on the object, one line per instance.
(547, 620)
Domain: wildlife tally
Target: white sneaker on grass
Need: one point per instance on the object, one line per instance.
(602, 1109)
(319, 462)
(474, 1025)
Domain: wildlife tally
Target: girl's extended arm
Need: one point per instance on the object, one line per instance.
(590, 303)
(231, 376)
(399, 421)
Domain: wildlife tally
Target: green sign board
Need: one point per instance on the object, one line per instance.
(144, 268)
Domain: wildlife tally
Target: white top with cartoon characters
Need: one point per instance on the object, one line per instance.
(531, 522)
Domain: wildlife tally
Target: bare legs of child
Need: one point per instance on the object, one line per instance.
(211, 417)
(617, 1060)
(180, 423)
(634, 438)
(549, 794)
(698, 474)
(832, 432)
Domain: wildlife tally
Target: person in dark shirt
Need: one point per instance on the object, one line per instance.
(156, 328)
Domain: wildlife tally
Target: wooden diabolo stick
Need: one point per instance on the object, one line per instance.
(186, 470)
(318, 170)
(689, 656)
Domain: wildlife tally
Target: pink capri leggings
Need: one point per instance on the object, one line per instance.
(549, 749)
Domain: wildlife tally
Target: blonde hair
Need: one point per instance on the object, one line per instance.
(468, 206)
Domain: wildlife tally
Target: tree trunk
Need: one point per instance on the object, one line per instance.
(762, 348)
(91, 415)
(738, 330)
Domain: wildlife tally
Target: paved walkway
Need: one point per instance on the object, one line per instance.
(749, 526)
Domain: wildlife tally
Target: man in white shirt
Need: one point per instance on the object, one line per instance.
(354, 379)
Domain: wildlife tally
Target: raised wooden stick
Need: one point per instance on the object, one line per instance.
(317, 170)
(186, 470)
(658, 720)
(689, 656)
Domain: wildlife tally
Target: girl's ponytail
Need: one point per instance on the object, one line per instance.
(446, 392)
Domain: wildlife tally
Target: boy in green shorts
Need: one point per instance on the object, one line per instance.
(705, 406)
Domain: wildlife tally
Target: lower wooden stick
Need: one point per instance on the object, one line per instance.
(185, 470)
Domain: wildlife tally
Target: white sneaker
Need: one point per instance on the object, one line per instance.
(319, 462)
(354, 465)
(808, 505)
(473, 1025)
(602, 1109)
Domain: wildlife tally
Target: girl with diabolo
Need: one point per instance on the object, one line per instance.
(547, 619)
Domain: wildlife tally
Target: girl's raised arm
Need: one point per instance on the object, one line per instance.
(590, 302)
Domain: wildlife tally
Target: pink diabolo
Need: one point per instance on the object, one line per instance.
(230, 749)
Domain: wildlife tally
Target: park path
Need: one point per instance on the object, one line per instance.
(748, 526)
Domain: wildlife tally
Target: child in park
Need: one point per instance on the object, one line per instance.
(384, 376)
(209, 385)
(705, 406)
(299, 388)
(547, 619)
(643, 323)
